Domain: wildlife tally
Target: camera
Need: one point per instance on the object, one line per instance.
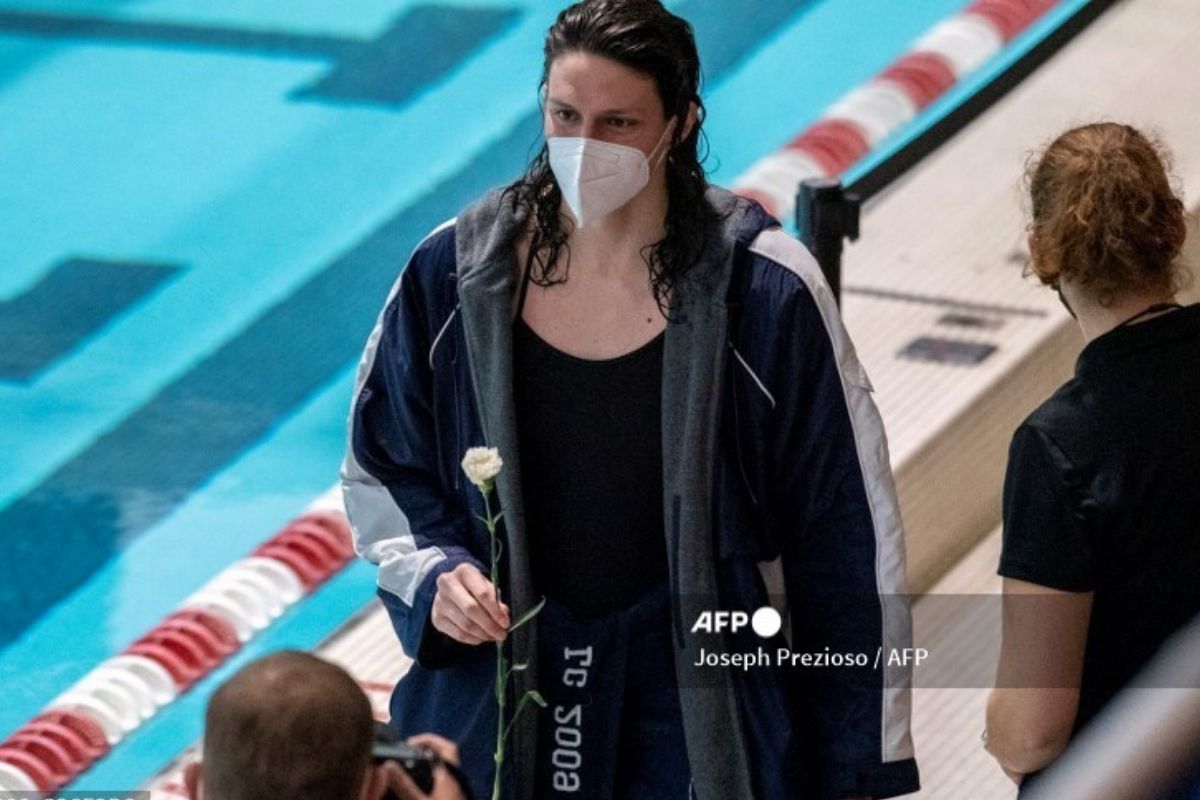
(417, 763)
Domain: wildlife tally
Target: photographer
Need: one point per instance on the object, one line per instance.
(293, 725)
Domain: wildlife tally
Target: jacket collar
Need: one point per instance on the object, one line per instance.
(693, 365)
(487, 278)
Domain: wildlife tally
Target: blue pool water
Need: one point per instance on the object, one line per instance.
(202, 206)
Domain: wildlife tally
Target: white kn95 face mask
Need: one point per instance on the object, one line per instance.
(595, 177)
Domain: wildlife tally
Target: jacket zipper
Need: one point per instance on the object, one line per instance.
(454, 394)
(676, 504)
(737, 436)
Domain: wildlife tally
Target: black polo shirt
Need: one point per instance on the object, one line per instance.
(1103, 495)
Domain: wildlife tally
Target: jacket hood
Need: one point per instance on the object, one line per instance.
(486, 230)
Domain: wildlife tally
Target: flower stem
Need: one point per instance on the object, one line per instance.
(501, 669)
(499, 757)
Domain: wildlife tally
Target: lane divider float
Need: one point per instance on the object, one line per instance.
(83, 723)
(861, 120)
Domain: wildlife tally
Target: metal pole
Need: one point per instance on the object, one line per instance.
(826, 215)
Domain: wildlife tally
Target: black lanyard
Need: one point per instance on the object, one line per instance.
(1154, 309)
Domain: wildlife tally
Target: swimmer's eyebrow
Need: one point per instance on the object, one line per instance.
(612, 112)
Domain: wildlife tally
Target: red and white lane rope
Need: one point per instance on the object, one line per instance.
(84, 722)
(861, 120)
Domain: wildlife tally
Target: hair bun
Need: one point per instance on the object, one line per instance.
(1104, 213)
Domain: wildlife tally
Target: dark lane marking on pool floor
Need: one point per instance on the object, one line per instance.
(68, 306)
(137, 473)
(419, 47)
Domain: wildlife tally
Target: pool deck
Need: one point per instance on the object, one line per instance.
(953, 231)
(950, 239)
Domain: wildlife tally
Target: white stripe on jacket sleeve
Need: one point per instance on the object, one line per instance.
(381, 531)
(871, 442)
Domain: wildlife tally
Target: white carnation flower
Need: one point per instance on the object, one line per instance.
(482, 465)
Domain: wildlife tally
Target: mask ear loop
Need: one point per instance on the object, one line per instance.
(665, 137)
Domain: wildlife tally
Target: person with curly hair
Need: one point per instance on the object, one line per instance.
(684, 428)
(1101, 542)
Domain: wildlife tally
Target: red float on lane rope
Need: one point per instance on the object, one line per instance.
(77, 748)
(181, 671)
(924, 77)
(326, 540)
(309, 573)
(835, 144)
(31, 765)
(79, 723)
(221, 631)
(57, 760)
(214, 647)
(337, 525)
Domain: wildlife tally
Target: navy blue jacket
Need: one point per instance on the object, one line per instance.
(777, 490)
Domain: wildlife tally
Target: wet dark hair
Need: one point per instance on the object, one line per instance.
(644, 36)
(1104, 212)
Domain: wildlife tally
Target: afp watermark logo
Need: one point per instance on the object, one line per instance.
(766, 622)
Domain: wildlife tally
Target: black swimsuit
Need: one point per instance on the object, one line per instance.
(590, 438)
(590, 434)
